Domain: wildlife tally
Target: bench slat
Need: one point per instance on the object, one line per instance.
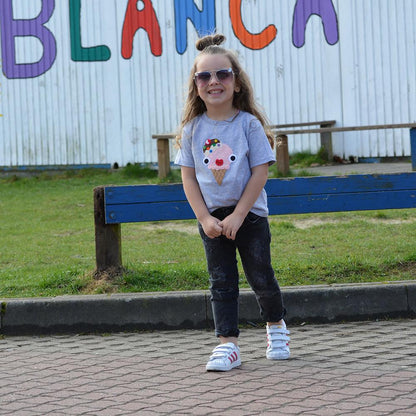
(141, 212)
(340, 184)
(328, 123)
(344, 129)
(361, 201)
(278, 205)
(285, 196)
(285, 186)
(144, 193)
(164, 136)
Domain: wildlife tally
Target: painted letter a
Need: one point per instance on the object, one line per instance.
(304, 9)
(135, 19)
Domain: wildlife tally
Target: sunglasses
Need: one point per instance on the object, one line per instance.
(222, 75)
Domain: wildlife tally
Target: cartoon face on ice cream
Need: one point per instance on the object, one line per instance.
(218, 157)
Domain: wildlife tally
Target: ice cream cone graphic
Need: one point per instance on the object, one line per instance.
(218, 158)
(219, 175)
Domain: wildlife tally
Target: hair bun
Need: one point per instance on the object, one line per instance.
(209, 40)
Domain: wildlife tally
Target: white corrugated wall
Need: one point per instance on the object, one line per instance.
(102, 112)
(378, 74)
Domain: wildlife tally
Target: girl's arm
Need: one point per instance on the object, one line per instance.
(193, 194)
(232, 223)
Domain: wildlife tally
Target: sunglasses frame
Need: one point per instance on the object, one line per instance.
(212, 73)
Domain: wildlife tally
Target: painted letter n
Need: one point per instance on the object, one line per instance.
(203, 20)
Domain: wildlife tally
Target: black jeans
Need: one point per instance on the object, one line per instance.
(253, 243)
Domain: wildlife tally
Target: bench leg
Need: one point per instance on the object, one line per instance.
(413, 147)
(163, 157)
(326, 141)
(282, 154)
(107, 238)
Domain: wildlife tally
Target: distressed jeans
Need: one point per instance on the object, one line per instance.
(253, 244)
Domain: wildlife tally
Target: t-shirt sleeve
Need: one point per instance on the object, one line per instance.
(260, 151)
(184, 156)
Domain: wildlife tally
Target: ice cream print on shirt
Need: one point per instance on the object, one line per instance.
(218, 157)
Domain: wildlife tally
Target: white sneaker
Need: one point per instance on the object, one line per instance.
(277, 342)
(224, 357)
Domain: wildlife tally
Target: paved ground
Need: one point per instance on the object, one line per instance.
(361, 368)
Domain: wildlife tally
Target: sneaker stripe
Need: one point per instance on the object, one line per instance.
(233, 357)
(224, 358)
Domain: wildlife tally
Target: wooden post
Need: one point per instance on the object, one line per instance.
(107, 238)
(413, 147)
(163, 157)
(326, 141)
(282, 154)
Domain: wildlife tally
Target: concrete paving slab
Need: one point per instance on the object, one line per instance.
(360, 368)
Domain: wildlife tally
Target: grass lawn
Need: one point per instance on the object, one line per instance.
(47, 243)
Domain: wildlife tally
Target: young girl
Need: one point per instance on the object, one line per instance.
(224, 157)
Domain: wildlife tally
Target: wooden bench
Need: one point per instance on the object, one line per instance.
(281, 132)
(163, 151)
(282, 148)
(114, 205)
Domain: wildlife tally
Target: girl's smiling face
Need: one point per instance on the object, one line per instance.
(217, 95)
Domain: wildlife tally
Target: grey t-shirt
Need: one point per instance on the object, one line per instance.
(222, 154)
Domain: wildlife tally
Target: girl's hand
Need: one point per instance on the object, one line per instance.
(211, 226)
(231, 224)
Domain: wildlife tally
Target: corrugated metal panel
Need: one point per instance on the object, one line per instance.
(94, 111)
(378, 74)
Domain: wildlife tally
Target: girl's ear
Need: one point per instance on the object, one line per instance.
(237, 89)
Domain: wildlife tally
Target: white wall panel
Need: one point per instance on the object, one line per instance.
(378, 82)
(101, 112)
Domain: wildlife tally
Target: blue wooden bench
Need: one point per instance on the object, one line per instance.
(114, 205)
